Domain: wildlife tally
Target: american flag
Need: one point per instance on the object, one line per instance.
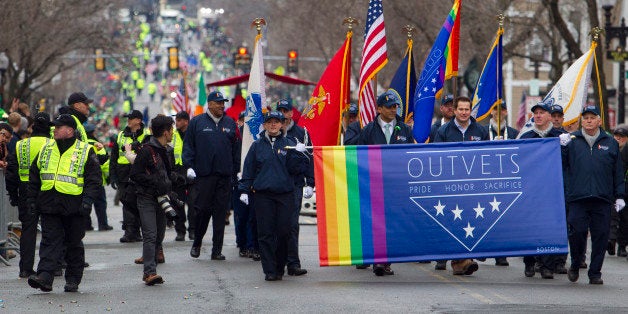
(374, 58)
(180, 101)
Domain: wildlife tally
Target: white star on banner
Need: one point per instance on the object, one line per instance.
(495, 205)
(479, 211)
(469, 230)
(439, 209)
(457, 213)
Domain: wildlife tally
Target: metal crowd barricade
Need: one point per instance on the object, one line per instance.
(9, 241)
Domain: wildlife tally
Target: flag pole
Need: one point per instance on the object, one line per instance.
(500, 21)
(595, 36)
(344, 122)
(409, 30)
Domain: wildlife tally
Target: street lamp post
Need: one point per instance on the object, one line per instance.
(4, 65)
(619, 54)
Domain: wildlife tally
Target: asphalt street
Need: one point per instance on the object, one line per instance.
(114, 283)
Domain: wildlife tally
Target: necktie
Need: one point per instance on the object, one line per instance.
(387, 132)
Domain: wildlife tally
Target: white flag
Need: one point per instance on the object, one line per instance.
(255, 100)
(571, 90)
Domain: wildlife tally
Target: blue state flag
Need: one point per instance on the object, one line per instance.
(404, 84)
(488, 91)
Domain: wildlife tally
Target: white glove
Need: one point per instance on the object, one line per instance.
(565, 138)
(191, 173)
(308, 192)
(239, 175)
(244, 198)
(300, 147)
(619, 204)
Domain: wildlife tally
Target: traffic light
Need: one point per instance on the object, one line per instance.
(293, 61)
(242, 58)
(173, 58)
(99, 63)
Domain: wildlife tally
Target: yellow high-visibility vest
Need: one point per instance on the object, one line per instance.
(123, 140)
(64, 173)
(27, 150)
(177, 144)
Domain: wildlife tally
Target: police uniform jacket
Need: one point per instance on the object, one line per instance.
(270, 167)
(372, 133)
(54, 202)
(449, 132)
(352, 133)
(593, 172)
(295, 133)
(152, 169)
(16, 187)
(121, 171)
(209, 147)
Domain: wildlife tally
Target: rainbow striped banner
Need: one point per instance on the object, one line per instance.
(405, 203)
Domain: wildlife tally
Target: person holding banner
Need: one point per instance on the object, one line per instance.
(447, 113)
(386, 128)
(542, 128)
(505, 131)
(352, 127)
(461, 128)
(595, 185)
(267, 175)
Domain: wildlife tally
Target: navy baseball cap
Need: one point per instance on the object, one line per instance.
(388, 99)
(273, 115)
(353, 109)
(446, 99)
(621, 129)
(216, 96)
(64, 119)
(79, 97)
(285, 104)
(541, 105)
(592, 109)
(557, 108)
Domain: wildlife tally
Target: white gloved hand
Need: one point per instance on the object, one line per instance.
(564, 139)
(308, 192)
(244, 198)
(300, 147)
(191, 173)
(239, 175)
(619, 204)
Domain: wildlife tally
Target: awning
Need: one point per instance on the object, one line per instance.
(244, 78)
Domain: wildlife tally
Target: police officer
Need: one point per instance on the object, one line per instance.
(447, 113)
(592, 156)
(100, 203)
(303, 187)
(386, 128)
(182, 119)
(268, 174)
(352, 125)
(64, 181)
(210, 154)
(461, 128)
(620, 133)
(17, 182)
(542, 128)
(119, 168)
(78, 107)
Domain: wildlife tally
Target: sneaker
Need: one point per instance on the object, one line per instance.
(152, 279)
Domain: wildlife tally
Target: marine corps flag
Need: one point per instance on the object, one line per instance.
(322, 115)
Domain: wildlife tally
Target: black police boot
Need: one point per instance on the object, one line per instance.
(621, 251)
(529, 270)
(610, 247)
(441, 265)
(71, 287)
(573, 274)
(180, 236)
(501, 261)
(546, 273)
(296, 271)
(38, 282)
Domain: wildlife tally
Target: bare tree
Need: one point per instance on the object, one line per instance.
(40, 35)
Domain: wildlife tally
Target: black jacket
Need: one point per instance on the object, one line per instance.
(449, 132)
(352, 133)
(151, 172)
(210, 148)
(531, 134)
(298, 133)
(593, 172)
(53, 202)
(492, 132)
(372, 134)
(270, 167)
